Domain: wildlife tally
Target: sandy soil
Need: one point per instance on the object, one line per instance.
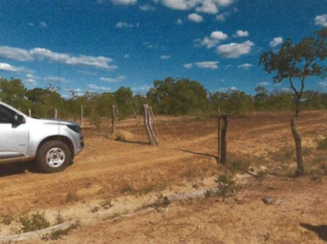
(133, 174)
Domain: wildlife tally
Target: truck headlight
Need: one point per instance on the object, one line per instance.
(75, 128)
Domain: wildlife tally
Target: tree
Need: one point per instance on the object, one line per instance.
(297, 62)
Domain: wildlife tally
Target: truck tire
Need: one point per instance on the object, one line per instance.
(53, 156)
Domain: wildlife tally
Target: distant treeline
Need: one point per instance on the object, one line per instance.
(167, 97)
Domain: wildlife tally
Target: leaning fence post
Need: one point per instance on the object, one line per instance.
(298, 146)
(30, 113)
(148, 126)
(219, 136)
(224, 140)
(82, 115)
(56, 113)
(113, 115)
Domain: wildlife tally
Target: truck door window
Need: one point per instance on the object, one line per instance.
(6, 115)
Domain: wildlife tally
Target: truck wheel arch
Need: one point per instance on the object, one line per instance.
(64, 139)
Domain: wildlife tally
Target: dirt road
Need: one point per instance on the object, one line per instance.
(185, 159)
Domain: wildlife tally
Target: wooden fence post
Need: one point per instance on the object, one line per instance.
(56, 113)
(148, 125)
(219, 137)
(29, 112)
(82, 116)
(224, 140)
(113, 116)
(298, 146)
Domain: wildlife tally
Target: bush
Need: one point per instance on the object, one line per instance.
(322, 145)
(34, 222)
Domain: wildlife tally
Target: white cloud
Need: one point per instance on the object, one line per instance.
(127, 56)
(207, 65)
(43, 24)
(188, 66)
(42, 53)
(245, 66)
(233, 88)
(222, 17)
(215, 38)
(202, 6)
(263, 83)
(203, 65)
(241, 33)
(31, 24)
(235, 50)
(195, 18)
(179, 21)
(96, 87)
(142, 89)
(208, 7)
(276, 41)
(15, 53)
(126, 25)
(165, 57)
(10, 68)
(323, 83)
(113, 80)
(123, 2)
(218, 35)
(321, 20)
(55, 79)
(147, 8)
(31, 81)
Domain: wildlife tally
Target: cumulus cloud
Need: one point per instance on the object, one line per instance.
(15, 53)
(10, 68)
(147, 8)
(46, 54)
(165, 57)
(235, 50)
(203, 65)
(195, 18)
(201, 6)
(127, 56)
(215, 38)
(245, 66)
(241, 33)
(188, 66)
(123, 2)
(96, 87)
(218, 35)
(208, 6)
(321, 20)
(263, 83)
(276, 41)
(179, 22)
(126, 25)
(113, 80)
(55, 79)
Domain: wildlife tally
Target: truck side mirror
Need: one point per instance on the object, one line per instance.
(18, 120)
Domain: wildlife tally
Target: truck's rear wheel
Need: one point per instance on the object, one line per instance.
(53, 156)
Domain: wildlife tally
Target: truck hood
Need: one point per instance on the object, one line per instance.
(58, 122)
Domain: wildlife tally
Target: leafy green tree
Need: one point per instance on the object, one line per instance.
(13, 92)
(297, 62)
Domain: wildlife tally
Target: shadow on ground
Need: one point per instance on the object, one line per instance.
(13, 169)
(202, 154)
(320, 230)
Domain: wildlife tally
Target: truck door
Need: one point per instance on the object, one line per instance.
(13, 138)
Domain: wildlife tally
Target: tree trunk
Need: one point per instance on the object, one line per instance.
(298, 146)
(113, 118)
(219, 136)
(224, 140)
(148, 126)
(298, 100)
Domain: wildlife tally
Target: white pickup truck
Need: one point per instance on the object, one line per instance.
(49, 143)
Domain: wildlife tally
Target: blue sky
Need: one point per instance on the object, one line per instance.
(100, 45)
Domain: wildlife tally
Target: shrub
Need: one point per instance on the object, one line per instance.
(322, 145)
(226, 184)
(34, 222)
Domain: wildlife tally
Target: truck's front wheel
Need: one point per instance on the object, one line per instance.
(53, 156)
